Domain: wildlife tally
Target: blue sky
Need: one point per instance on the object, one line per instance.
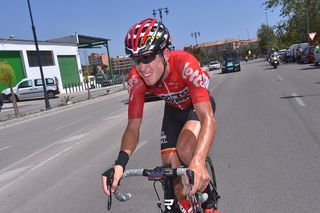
(214, 19)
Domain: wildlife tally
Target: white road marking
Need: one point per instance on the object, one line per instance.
(298, 99)
(26, 158)
(112, 117)
(141, 144)
(5, 147)
(13, 173)
(280, 78)
(73, 138)
(72, 123)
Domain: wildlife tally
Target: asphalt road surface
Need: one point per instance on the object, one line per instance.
(266, 151)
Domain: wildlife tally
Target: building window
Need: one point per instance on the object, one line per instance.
(46, 58)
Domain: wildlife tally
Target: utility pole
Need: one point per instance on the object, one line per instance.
(39, 60)
(195, 35)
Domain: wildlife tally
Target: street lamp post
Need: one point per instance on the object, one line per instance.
(195, 35)
(39, 61)
(266, 12)
(154, 12)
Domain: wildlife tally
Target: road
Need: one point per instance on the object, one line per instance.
(266, 150)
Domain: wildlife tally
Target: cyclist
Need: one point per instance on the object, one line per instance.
(188, 126)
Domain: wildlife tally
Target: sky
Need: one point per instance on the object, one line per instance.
(214, 19)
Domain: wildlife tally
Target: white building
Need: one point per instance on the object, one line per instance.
(59, 58)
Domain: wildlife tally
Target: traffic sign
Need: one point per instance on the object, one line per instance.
(312, 35)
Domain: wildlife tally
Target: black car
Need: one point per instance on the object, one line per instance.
(230, 65)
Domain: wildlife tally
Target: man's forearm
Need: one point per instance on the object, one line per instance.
(129, 141)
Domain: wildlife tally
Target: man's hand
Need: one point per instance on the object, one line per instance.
(201, 176)
(112, 175)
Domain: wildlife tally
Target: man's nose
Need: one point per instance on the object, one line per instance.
(141, 67)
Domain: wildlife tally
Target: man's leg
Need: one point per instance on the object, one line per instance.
(173, 160)
(187, 141)
(186, 147)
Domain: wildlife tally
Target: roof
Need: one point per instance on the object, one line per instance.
(83, 41)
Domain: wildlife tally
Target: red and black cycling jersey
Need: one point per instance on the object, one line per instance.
(185, 85)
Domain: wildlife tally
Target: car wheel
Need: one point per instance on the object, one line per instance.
(10, 98)
(50, 94)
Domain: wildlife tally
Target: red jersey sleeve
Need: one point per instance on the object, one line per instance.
(136, 89)
(196, 79)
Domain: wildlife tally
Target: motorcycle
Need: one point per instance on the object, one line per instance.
(274, 61)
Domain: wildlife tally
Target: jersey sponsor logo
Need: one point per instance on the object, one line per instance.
(198, 78)
(176, 97)
(131, 82)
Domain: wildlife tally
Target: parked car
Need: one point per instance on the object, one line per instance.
(316, 58)
(214, 65)
(307, 55)
(230, 65)
(30, 88)
(1, 101)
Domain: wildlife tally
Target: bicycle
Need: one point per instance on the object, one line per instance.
(165, 175)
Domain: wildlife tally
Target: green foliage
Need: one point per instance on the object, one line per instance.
(87, 72)
(267, 38)
(300, 16)
(7, 75)
(199, 54)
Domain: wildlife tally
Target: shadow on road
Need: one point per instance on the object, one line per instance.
(299, 96)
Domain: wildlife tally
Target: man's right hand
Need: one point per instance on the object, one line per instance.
(111, 177)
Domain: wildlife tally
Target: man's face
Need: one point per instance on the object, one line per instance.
(150, 67)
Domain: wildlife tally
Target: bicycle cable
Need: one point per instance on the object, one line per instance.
(159, 200)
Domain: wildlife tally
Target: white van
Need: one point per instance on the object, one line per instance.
(29, 88)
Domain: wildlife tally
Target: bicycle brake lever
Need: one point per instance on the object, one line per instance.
(109, 200)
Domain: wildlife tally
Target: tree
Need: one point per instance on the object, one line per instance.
(267, 38)
(86, 74)
(300, 17)
(7, 77)
(199, 54)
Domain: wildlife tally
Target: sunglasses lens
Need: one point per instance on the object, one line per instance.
(145, 59)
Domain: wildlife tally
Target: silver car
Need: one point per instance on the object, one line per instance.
(214, 65)
(29, 88)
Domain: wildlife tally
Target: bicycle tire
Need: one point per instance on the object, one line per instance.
(213, 182)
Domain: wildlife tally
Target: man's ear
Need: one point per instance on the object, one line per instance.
(166, 53)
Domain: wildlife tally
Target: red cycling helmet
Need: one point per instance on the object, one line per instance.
(147, 35)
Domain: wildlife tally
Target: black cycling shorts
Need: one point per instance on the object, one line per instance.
(173, 122)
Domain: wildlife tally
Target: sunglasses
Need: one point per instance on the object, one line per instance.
(145, 58)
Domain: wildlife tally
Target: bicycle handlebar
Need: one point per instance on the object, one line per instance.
(158, 173)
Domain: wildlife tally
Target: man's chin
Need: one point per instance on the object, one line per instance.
(149, 82)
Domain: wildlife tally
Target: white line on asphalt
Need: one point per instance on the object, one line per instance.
(112, 117)
(13, 173)
(280, 78)
(73, 138)
(72, 123)
(3, 148)
(141, 144)
(298, 99)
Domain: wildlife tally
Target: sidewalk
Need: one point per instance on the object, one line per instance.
(32, 107)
